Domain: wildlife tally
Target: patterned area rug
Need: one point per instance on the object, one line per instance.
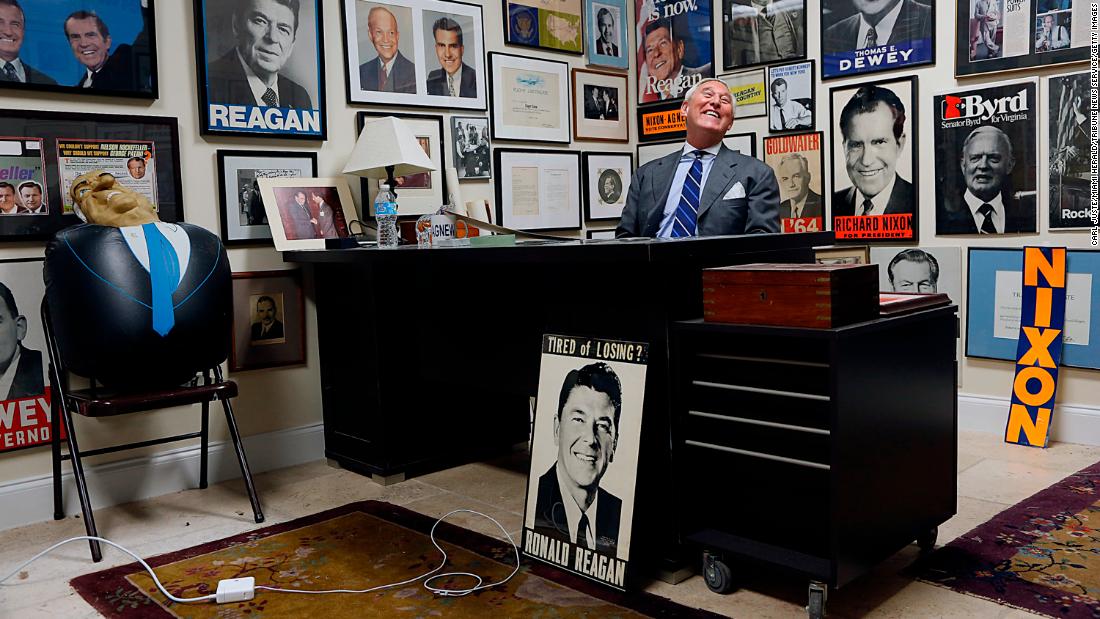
(1042, 554)
(358, 546)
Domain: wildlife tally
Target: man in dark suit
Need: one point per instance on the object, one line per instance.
(268, 327)
(21, 370)
(794, 178)
(90, 41)
(389, 71)
(454, 78)
(12, 28)
(571, 505)
(739, 194)
(872, 127)
(879, 23)
(594, 107)
(665, 76)
(249, 73)
(987, 205)
(605, 23)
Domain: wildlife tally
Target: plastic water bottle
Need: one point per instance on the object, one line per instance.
(385, 212)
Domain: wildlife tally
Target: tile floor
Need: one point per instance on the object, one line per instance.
(992, 476)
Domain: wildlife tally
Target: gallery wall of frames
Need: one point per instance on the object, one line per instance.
(879, 128)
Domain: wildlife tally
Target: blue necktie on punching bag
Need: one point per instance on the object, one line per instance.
(164, 276)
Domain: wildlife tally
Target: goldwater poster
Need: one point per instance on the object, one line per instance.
(675, 47)
(798, 166)
(584, 457)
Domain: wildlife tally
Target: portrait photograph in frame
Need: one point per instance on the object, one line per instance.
(992, 36)
(744, 143)
(792, 103)
(1070, 123)
(742, 44)
(303, 212)
(530, 99)
(903, 37)
(269, 320)
(675, 47)
(236, 57)
(417, 194)
(53, 148)
(242, 214)
(601, 108)
(606, 181)
(750, 92)
(798, 161)
(471, 147)
(842, 254)
(425, 53)
(538, 189)
(606, 24)
(874, 193)
(922, 270)
(552, 25)
(120, 36)
(994, 281)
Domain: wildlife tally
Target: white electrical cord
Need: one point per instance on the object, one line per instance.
(427, 583)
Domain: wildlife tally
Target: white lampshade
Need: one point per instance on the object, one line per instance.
(387, 142)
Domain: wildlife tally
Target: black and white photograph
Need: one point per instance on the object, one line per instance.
(868, 36)
(261, 68)
(600, 106)
(1069, 125)
(791, 100)
(268, 320)
(606, 180)
(415, 52)
(606, 24)
(986, 158)
(675, 47)
(470, 147)
(1008, 35)
(79, 47)
(920, 270)
(23, 356)
(874, 165)
(758, 32)
(243, 219)
(799, 164)
(579, 513)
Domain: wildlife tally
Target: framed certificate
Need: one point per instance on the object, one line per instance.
(530, 99)
(538, 189)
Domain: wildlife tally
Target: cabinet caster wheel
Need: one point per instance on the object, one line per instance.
(819, 593)
(717, 574)
(927, 541)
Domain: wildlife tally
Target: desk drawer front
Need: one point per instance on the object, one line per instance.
(808, 413)
(751, 438)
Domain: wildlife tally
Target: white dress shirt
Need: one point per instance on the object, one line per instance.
(573, 511)
(975, 203)
(16, 64)
(879, 201)
(687, 157)
(456, 76)
(8, 377)
(883, 29)
(258, 86)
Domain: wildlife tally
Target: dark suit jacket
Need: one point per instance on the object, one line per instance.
(593, 109)
(34, 76)
(757, 212)
(28, 376)
(550, 514)
(228, 84)
(118, 73)
(597, 47)
(275, 333)
(914, 22)
(402, 77)
(812, 207)
(437, 82)
(956, 217)
(900, 202)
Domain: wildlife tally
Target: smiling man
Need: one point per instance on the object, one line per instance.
(666, 77)
(90, 40)
(872, 126)
(913, 271)
(30, 193)
(389, 71)
(703, 189)
(454, 78)
(250, 73)
(987, 204)
(607, 43)
(12, 29)
(571, 505)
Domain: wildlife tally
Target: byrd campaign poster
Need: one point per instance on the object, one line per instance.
(986, 158)
(800, 170)
(22, 189)
(131, 162)
(675, 47)
(584, 456)
(865, 37)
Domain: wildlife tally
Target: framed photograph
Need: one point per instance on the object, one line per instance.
(1009, 35)
(1069, 124)
(530, 98)
(553, 25)
(244, 221)
(415, 53)
(538, 189)
(98, 47)
(746, 25)
(417, 194)
(606, 181)
(470, 147)
(269, 320)
(874, 163)
(799, 165)
(303, 212)
(598, 98)
(661, 122)
(793, 104)
(43, 152)
(750, 91)
(842, 254)
(606, 23)
(600, 235)
(864, 37)
(993, 298)
(744, 143)
(986, 140)
(923, 270)
(675, 47)
(261, 68)
(584, 398)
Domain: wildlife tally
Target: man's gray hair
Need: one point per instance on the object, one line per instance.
(796, 157)
(699, 84)
(1001, 135)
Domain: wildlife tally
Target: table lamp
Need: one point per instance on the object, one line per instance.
(387, 147)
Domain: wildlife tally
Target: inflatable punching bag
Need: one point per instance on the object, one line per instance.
(143, 306)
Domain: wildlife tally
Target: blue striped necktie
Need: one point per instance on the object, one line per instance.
(164, 275)
(687, 212)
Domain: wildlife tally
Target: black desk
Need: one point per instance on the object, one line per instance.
(429, 357)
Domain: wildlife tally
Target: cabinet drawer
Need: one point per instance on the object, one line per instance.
(806, 377)
(752, 438)
(761, 405)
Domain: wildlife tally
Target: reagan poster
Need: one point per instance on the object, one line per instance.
(675, 47)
